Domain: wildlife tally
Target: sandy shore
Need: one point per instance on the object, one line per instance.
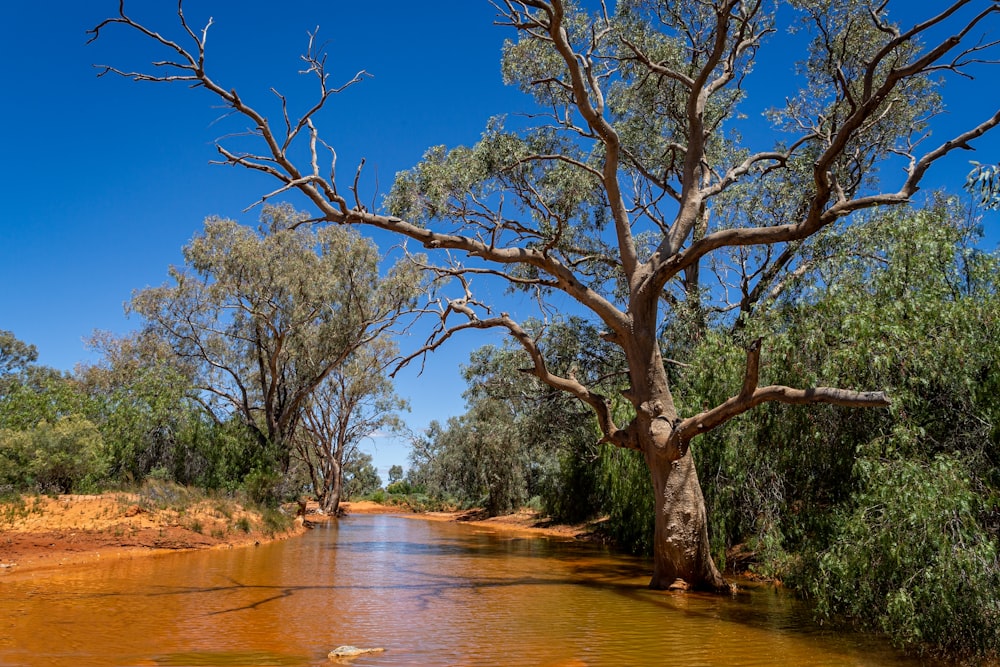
(43, 534)
(528, 522)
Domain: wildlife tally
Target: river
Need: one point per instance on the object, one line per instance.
(430, 593)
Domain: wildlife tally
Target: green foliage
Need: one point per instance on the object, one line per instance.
(259, 318)
(140, 401)
(911, 558)
(984, 182)
(360, 476)
(42, 394)
(571, 493)
(395, 474)
(274, 520)
(627, 183)
(61, 457)
(627, 499)
(15, 354)
(883, 516)
(519, 439)
(399, 488)
(263, 486)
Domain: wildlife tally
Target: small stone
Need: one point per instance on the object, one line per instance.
(351, 651)
(678, 585)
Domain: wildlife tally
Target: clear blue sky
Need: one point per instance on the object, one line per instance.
(104, 180)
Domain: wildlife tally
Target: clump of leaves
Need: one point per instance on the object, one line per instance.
(912, 559)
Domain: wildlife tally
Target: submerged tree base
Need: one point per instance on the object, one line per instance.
(681, 548)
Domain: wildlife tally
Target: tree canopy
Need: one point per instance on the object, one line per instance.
(263, 318)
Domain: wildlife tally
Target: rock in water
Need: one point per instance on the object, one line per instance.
(351, 651)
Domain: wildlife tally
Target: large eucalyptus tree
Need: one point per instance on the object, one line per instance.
(262, 318)
(636, 172)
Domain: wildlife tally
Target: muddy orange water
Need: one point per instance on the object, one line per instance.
(430, 593)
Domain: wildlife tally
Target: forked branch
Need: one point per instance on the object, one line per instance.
(752, 395)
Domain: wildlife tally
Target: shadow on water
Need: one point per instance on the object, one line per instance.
(433, 593)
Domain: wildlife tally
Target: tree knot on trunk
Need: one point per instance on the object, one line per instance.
(662, 432)
(652, 409)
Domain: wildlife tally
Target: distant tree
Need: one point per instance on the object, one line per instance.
(264, 318)
(636, 171)
(142, 405)
(553, 437)
(360, 476)
(15, 354)
(353, 402)
(395, 474)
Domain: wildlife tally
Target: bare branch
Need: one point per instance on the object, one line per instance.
(751, 395)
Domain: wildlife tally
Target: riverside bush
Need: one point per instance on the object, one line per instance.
(61, 457)
(911, 559)
(628, 499)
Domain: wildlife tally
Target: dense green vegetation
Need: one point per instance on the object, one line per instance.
(129, 419)
(886, 518)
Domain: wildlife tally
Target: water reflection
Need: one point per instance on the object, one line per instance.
(430, 593)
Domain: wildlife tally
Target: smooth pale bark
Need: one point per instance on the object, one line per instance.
(681, 548)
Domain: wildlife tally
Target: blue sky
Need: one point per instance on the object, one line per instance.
(104, 180)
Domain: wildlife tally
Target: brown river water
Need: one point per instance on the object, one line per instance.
(430, 593)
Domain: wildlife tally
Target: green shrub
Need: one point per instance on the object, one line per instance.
(275, 521)
(398, 488)
(570, 493)
(60, 457)
(911, 559)
(263, 487)
(628, 499)
(163, 494)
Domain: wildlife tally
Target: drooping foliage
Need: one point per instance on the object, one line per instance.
(263, 317)
(887, 517)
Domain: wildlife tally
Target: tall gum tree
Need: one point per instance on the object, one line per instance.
(262, 319)
(355, 401)
(629, 173)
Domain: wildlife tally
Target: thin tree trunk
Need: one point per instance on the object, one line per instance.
(334, 486)
(681, 549)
